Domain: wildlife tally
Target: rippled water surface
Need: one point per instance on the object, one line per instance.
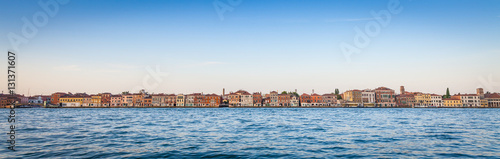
(254, 133)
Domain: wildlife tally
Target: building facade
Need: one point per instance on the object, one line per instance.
(436, 100)
(385, 97)
(305, 100)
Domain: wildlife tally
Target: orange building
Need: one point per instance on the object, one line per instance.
(234, 99)
(116, 100)
(316, 100)
(305, 100)
(137, 99)
(55, 97)
(212, 100)
(147, 102)
(284, 100)
(105, 99)
(257, 99)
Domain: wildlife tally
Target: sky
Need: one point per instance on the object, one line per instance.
(179, 46)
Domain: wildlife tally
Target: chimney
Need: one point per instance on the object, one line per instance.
(223, 91)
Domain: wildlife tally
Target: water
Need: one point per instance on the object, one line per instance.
(254, 133)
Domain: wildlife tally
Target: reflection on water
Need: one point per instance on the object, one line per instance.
(255, 133)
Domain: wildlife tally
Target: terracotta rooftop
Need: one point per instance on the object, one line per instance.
(383, 88)
(465, 95)
(494, 95)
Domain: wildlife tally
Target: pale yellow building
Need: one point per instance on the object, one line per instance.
(452, 102)
(354, 96)
(422, 99)
(95, 100)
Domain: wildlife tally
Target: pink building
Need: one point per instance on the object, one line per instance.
(116, 101)
(385, 97)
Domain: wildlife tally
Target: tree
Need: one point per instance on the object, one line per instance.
(339, 97)
(337, 91)
(448, 93)
(284, 92)
(125, 93)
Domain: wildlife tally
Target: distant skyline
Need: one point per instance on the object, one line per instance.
(260, 46)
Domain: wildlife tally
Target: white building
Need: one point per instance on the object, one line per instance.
(436, 100)
(294, 101)
(35, 100)
(368, 96)
(180, 100)
(470, 100)
(273, 99)
(189, 101)
(246, 99)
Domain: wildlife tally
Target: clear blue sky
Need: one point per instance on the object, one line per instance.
(261, 45)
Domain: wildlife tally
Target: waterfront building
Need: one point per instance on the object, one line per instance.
(452, 102)
(87, 100)
(46, 99)
(7, 99)
(234, 99)
(368, 96)
(266, 101)
(316, 100)
(405, 100)
(137, 99)
(35, 100)
(170, 100)
(96, 100)
(422, 100)
(246, 98)
(274, 99)
(55, 97)
(71, 101)
(198, 99)
(212, 100)
(436, 100)
(158, 100)
(305, 100)
(329, 99)
(4, 103)
(179, 102)
(189, 101)
(283, 100)
(493, 99)
(469, 100)
(147, 102)
(116, 100)
(294, 100)
(257, 99)
(105, 99)
(484, 103)
(353, 96)
(385, 97)
(127, 100)
(24, 99)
